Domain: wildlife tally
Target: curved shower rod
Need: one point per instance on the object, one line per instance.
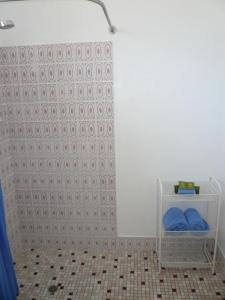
(9, 24)
(99, 2)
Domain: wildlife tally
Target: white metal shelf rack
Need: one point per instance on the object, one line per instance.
(199, 247)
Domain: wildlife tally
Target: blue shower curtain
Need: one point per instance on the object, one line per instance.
(8, 282)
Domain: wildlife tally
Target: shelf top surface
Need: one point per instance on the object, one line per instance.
(207, 188)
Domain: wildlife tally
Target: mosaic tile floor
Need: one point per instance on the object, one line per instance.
(110, 275)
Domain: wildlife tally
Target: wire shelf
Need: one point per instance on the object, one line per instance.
(208, 204)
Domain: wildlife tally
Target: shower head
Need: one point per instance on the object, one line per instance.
(6, 24)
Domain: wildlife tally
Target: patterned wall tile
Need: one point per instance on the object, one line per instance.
(58, 103)
(6, 172)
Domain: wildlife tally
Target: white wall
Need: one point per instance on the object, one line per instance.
(169, 71)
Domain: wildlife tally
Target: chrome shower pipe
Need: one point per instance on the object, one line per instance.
(9, 24)
(111, 27)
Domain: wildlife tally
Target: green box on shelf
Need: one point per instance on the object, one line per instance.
(186, 185)
(196, 187)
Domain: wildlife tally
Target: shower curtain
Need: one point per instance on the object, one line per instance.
(8, 282)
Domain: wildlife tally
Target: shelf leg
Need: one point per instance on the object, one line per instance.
(216, 237)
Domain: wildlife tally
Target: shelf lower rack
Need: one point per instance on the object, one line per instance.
(209, 234)
(187, 259)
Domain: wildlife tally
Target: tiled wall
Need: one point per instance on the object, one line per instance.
(60, 111)
(7, 180)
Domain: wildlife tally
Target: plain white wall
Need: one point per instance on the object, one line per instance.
(169, 73)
